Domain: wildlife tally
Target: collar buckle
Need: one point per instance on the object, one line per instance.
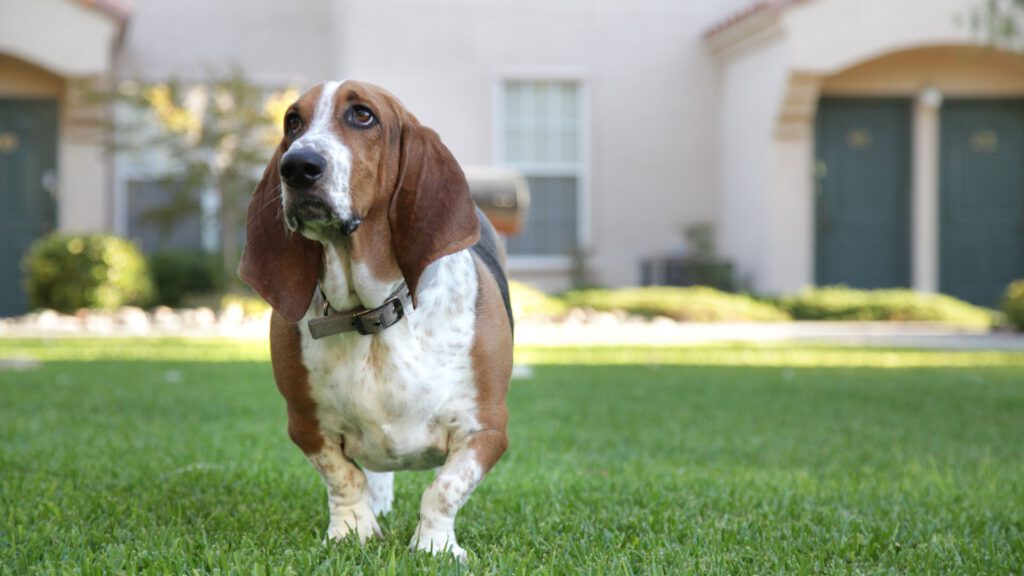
(378, 319)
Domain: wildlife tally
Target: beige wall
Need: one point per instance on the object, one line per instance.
(19, 79)
(85, 201)
(957, 71)
(650, 83)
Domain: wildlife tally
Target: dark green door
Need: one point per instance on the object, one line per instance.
(982, 222)
(28, 163)
(862, 236)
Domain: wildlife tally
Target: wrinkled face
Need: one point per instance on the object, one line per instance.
(340, 157)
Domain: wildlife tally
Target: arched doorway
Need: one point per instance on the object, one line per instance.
(944, 195)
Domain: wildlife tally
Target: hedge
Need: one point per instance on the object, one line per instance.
(1013, 304)
(695, 304)
(902, 305)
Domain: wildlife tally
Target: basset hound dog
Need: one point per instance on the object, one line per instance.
(391, 335)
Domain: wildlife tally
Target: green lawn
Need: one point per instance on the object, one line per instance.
(170, 457)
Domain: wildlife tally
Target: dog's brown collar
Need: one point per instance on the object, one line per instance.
(362, 320)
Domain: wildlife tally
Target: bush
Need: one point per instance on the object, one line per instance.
(696, 304)
(250, 305)
(67, 272)
(179, 274)
(842, 303)
(1013, 304)
(528, 302)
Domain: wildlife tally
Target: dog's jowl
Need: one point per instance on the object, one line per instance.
(391, 337)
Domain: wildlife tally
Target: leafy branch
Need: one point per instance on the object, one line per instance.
(215, 136)
(1000, 23)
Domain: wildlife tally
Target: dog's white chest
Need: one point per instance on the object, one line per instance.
(397, 398)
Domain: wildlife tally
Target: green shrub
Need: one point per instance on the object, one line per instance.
(528, 302)
(697, 304)
(178, 274)
(251, 305)
(842, 303)
(67, 272)
(1013, 304)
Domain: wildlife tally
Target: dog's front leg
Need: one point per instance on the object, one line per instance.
(461, 473)
(348, 498)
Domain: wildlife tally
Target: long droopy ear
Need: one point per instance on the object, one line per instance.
(280, 265)
(431, 214)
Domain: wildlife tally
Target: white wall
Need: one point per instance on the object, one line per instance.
(62, 36)
(278, 43)
(652, 88)
(827, 36)
(752, 91)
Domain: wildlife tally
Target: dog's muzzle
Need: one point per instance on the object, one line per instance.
(301, 169)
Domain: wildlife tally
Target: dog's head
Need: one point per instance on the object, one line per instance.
(352, 155)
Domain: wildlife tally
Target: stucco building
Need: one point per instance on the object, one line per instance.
(869, 142)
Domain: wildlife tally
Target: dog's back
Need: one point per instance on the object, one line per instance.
(491, 252)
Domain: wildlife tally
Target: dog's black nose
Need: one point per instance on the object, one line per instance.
(301, 168)
(349, 226)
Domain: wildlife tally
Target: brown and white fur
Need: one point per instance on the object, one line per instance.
(371, 198)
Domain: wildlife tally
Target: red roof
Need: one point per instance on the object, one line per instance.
(747, 13)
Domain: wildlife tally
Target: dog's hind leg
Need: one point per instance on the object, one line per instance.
(382, 490)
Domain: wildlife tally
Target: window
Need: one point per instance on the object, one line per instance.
(163, 215)
(542, 135)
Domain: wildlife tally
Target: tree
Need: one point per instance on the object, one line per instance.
(217, 135)
(1000, 23)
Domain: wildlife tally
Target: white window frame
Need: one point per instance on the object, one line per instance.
(581, 170)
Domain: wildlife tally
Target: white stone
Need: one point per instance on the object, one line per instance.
(166, 318)
(46, 319)
(133, 319)
(233, 314)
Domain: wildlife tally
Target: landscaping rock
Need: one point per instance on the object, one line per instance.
(166, 318)
(133, 319)
(232, 315)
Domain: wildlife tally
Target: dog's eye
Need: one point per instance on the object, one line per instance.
(361, 116)
(292, 123)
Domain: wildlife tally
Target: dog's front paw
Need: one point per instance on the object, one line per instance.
(436, 541)
(358, 520)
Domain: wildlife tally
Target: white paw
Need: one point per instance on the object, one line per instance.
(436, 542)
(358, 519)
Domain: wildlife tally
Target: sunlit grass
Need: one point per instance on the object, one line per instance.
(170, 457)
(778, 355)
(747, 354)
